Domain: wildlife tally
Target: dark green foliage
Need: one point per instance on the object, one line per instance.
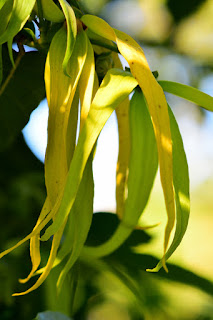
(22, 94)
(21, 197)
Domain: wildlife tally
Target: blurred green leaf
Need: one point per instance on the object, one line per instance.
(136, 262)
(22, 94)
(182, 8)
(49, 315)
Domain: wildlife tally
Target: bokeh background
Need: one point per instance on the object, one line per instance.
(177, 37)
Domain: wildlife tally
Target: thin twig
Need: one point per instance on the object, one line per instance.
(10, 75)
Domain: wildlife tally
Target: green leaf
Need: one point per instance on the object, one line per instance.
(2, 2)
(189, 93)
(181, 186)
(20, 13)
(115, 87)
(50, 315)
(22, 94)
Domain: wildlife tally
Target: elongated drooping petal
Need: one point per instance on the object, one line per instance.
(51, 11)
(35, 242)
(81, 217)
(86, 84)
(55, 244)
(122, 114)
(142, 170)
(157, 105)
(181, 185)
(71, 32)
(115, 87)
(60, 92)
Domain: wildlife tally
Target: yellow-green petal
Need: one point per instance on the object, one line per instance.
(71, 32)
(81, 218)
(115, 87)
(60, 90)
(157, 106)
(122, 114)
(86, 84)
(51, 11)
(143, 165)
(181, 186)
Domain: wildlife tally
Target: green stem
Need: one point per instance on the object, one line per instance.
(10, 75)
(121, 234)
(40, 14)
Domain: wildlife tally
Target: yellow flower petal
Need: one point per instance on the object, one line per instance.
(157, 105)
